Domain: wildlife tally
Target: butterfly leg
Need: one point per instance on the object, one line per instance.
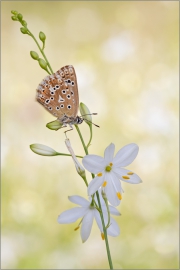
(68, 130)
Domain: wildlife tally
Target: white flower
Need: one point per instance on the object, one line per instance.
(88, 212)
(109, 170)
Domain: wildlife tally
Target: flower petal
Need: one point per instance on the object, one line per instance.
(93, 163)
(87, 225)
(71, 215)
(98, 220)
(127, 176)
(111, 192)
(113, 229)
(109, 153)
(116, 182)
(79, 200)
(126, 155)
(95, 184)
(114, 211)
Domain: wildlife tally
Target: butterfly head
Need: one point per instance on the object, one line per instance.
(79, 120)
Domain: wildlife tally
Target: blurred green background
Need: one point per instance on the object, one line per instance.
(126, 59)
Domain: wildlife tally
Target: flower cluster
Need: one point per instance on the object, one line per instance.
(107, 182)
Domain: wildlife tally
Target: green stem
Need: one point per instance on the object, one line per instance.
(105, 232)
(41, 50)
(107, 207)
(80, 135)
(90, 136)
(101, 213)
(62, 154)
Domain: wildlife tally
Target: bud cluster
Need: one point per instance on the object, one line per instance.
(19, 17)
(24, 30)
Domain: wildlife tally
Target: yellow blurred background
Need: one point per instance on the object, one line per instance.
(126, 59)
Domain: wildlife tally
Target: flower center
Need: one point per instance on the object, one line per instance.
(108, 168)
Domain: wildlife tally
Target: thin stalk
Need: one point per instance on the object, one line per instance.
(41, 50)
(101, 213)
(90, 139)
(68, 155)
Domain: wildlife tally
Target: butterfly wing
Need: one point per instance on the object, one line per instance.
(58, 93)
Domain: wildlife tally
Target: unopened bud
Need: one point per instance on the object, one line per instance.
(14, 12)
(54, 125)
(14, 18)
(34, 55)
(103, 195)
(23, 30)
(42, 63)
(43, 150)
(42, 36)
(24, 23)
(20, 16)
(85, 113)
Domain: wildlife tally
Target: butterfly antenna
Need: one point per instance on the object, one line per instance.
(89, 114)
(91, 122)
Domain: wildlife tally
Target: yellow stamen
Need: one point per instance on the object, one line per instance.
(110, 164)
(99, 174)
(126, 177)
(130, 173)
(77, 228)
(104, 184)
(102, 236)
(119, 195)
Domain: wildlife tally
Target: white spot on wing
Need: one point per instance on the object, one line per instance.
(60, 99)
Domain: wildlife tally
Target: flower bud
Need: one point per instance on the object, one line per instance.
(14, 12)
(23, 30)
(34, 55)
(24, 23)
(20, 16)
(42, 36)
(14, 18)
(42, 63)
(79, 168)
(103, 194)
(84, 110)
(54, 125)
(43, 150)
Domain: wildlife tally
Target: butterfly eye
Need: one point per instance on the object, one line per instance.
(69, 107)
(52, 93)
(72, 83)
(57, 86)
(72, 93)
(57, 108)
(69, 81)
(54, 88)
(62, 105)
(64, 91)
(52, 98)
(50, 108)
(68, 96)
(47, 101)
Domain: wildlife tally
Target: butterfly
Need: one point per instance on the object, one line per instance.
(58, 93)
